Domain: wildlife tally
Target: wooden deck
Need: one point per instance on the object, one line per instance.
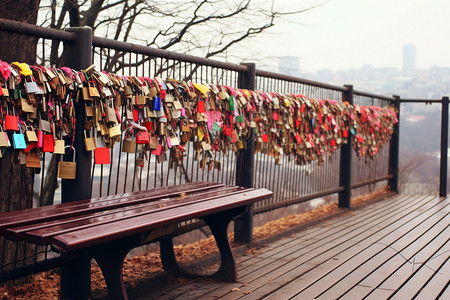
(397, 248)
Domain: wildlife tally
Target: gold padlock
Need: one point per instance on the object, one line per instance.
(111, 116)
(140, 100)
(67, 169)
(32, 160)
(27, 107)
(129, 144)
(59, 147)
(85, 94)
(89, 143)
(104, 130)
(239, 145)
(114, 131)
(31, 136)
(89, 111)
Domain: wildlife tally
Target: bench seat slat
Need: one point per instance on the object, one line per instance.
(43, 236)
(54, 212)
(96, 235)
(18, 233)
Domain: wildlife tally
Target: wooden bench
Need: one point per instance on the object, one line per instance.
(107, 228)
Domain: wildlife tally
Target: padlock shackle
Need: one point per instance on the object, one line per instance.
(74, 153)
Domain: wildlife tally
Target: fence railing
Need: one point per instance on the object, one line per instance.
(336, 173)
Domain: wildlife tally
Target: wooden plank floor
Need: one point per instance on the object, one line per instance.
(393, 249)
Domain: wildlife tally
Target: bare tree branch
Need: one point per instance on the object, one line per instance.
(202, 27)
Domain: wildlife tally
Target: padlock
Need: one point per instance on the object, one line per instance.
(4, 90)
(11, 123)
(89, 111)
(32, 160)
(115, 131)
(93, 91)
(174, 140)
(162, 157)
(142, 137)
(101, 156)
(31, 86)
(140, 100)
(185, 126)
(129, 144)
(239, 145)
(103, 129)
(4, 141)
(26, 106)
(111, 116)
(19, 140)
(153, 140)
(49, 143)
(31, 135)
(59, 146)
(66, 169)
(128, 93)
(85, 94)
(157, 104)
(89, 143)
(45, 125)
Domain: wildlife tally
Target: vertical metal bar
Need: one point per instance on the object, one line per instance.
(394, 145)
(444, 148)
(345, 170)
(75, 279)
(243, 226)
(78, 56)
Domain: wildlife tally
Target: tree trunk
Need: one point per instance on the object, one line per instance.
(16, 181)
(16, 192)
(20, 48)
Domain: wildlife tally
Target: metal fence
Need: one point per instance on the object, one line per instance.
(336, 173)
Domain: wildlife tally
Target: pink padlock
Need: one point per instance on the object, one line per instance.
(40, 143)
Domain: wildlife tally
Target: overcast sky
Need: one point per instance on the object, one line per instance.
(344, 34)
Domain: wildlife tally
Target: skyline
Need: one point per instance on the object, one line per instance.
(346, 34)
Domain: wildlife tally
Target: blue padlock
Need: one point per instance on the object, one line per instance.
(157, 104)
(19, 140)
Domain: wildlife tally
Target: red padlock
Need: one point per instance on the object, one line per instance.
(102, 156)
(49, 143)
(11, 123)
(142, 137)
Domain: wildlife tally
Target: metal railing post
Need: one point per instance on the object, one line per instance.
(76, 274)
(444, 148)
(394, 145)
(78, 55)
(243, 226)
(345, 166)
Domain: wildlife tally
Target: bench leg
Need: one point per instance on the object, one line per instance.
(110, 259)
(75, 278)
(168, 258)
(218, 223)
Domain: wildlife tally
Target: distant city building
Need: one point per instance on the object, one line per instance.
(289, 65)
(409, 57)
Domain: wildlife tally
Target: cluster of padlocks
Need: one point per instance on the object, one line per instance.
(150, 116)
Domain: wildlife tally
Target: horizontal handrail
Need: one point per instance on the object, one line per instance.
(36, 31)
(370, 95)
(297, 200)
(300, 80)
(420, 100)
(371, 181)
(130, 47)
